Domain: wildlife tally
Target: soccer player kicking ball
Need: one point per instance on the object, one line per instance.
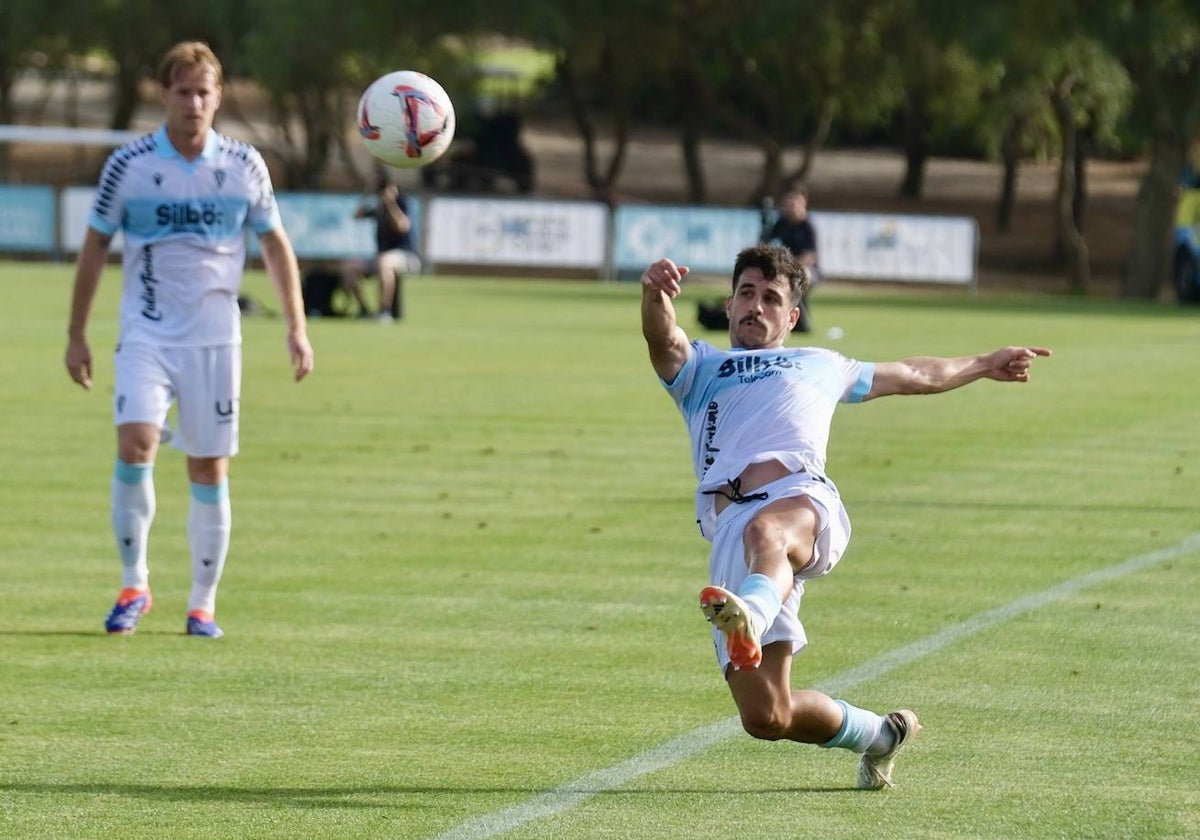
(181, 198)
(759, 416)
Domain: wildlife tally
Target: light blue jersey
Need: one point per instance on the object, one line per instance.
(749, 406)
(183, 223)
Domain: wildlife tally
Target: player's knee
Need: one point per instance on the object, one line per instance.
(763, 534)
(766, 724)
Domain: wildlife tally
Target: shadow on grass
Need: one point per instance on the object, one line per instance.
(1039, 506)
(352, 797)
(114, 639)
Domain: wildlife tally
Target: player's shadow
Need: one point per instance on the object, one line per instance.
(352, 797)
(91, 634)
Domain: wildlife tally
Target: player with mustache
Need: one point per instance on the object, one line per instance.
(759, 417)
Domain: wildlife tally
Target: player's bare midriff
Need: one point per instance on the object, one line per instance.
(755, 476)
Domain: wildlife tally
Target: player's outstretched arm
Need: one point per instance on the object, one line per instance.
(665, 339)
(935, 374)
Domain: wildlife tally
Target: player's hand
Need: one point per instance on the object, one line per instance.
(1012, 364)
(665, 276)
(79, 362)
(301, 353)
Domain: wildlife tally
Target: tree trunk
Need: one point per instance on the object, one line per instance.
(916, 146)
(1069, 244)
(7, 117)
(690, 106)
(1149, 260)
(1010, 156)
(772, 171)
(1079, 201)
(692, 163)
(125, 96)
(583, 121)
(617, 162)
(603, 190)
(816, 142)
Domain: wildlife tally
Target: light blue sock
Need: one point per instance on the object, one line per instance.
(133, 506)
(761, 596)
(209, 524)
(860, 729)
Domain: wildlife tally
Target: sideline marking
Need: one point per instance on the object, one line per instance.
(567, 796)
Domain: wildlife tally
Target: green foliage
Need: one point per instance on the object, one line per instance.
(789, 72)
(464, 567)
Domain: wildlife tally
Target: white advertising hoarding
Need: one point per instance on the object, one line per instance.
(923, 249)
(517, 232)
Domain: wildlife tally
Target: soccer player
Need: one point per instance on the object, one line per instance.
(181, 198)
(759, 417)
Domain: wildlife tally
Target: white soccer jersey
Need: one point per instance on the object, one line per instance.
(183, 223)
(748, 406)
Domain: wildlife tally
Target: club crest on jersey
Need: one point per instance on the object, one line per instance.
(219, 176)
(158, 179)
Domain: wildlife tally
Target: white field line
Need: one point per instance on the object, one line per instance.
(569, 795)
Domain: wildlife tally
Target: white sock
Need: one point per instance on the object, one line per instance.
(133, 505)
(210, 521)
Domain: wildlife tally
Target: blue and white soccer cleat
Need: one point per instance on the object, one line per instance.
(131, 605)
(200, 623)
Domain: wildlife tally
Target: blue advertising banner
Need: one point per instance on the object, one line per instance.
(28, 219)
(706, 239)
(322, 225)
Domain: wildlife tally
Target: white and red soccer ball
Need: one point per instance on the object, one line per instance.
(406, 119)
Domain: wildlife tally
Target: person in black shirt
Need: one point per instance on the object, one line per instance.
(395, 255)
(794, 231)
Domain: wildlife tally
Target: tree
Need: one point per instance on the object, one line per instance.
(610, 55)
(942, 81)
(795, 69)
(1088, 91)
(24, 31)
(1159, 45)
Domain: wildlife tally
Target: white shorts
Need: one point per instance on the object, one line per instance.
(727, 563)
(204, 381)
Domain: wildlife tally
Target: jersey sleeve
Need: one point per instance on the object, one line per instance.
(857, 378)
(109, 202)
(679, 387)
(263, 214)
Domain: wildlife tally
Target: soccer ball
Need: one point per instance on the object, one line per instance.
(406, 119)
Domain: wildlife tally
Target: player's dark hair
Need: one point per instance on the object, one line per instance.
(774, 261)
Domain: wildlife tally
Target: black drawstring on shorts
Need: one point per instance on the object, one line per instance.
(735, 493)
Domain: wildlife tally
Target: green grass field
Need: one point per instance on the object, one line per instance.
(460, 600)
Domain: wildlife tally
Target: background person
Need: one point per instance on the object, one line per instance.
(794, 230)
(394, 252)
(181, 198)
(759, 417)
